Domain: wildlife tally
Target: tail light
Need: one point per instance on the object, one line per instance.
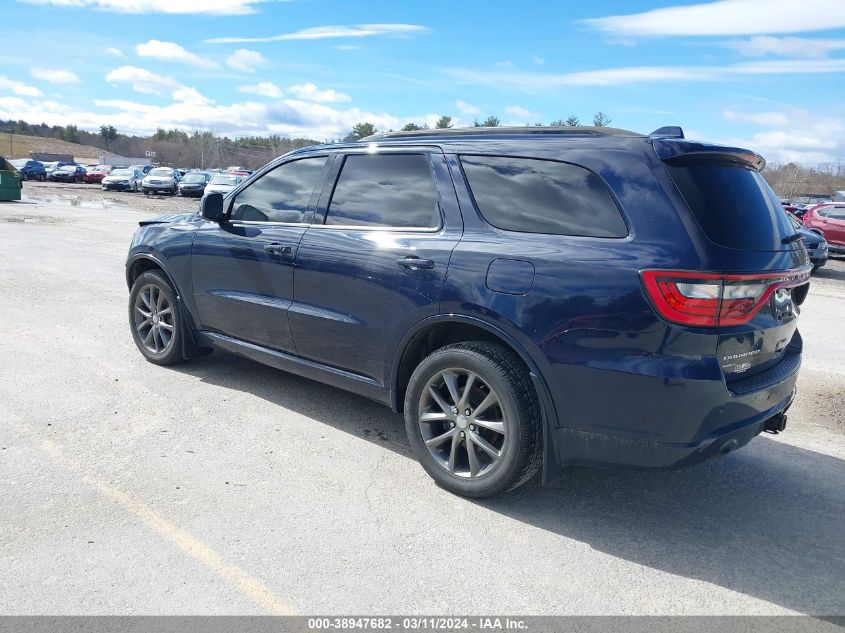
(712, 300)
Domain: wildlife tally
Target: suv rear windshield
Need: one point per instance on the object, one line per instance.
(734, 205)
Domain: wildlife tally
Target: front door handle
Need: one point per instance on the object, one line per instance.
(412, 262)
(274, 248)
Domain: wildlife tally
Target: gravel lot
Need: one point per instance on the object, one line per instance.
(223, 486)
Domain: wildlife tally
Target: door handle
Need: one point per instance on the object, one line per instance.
(274, 248)
(412, 262)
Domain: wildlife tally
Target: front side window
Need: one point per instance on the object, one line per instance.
(386, 190)
(542, 196)
(281, 195)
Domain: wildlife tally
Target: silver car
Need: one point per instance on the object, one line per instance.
(123, 180)
(163, 180)
(223, 183)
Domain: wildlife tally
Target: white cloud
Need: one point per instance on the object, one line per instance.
(116, 52)
(521, 113)
(19, 88)
(763, 45)
(185, 94)
(792, 136)
(728, 17)
(329, 32)
(245, 60)
(310, 92)
(538, 60)
(534, 82)
(348, 47)
(466, 108)
(191, 7)
(284, 117)
(142, 80)
(146, 82)
(171, 52)
(55, 76)
(264, 89)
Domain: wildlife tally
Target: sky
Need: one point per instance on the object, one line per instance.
(768, 75)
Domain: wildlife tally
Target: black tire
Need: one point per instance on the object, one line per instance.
(146, 192)
(172, 350)
(24, 177)
(43, 178)
(504, 372)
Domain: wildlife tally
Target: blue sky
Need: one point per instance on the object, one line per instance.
(767, 74)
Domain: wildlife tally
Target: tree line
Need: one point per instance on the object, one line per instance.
(365, 129)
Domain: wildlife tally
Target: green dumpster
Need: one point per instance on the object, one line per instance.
(10, 181)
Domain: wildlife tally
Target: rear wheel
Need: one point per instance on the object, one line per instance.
(473, 419)
(154, 319)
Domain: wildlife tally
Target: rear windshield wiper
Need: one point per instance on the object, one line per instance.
(791, 238)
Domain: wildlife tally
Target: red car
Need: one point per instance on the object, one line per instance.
(96, 174)
(828, 219)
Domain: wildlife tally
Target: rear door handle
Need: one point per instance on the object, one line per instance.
(412, 262)
(274, 248)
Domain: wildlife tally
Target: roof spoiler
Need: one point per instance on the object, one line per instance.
(676, 151)
(668, 131)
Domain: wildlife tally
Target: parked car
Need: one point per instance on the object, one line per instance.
(97, 173)
(223, 183)
(30, 169)
(68, 173)
(51, 166)
(123, 180)
(145, 169)
(814, 242)
(193, 184)
(636, 305)
(828, 220)
(161, 180)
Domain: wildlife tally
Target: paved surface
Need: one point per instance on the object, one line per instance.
(227, 487)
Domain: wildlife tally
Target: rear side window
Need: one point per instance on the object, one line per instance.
(395, 190)
(734, 205)
(281, 195)
(542, 196)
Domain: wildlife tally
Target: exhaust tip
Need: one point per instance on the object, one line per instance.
(775, 424)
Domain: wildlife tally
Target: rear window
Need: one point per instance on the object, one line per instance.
(542, 196)
(734, 205)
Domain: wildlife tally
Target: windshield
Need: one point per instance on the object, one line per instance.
(68, 168)
(224, 179)
(161, 171)
(121, 172)
(194, 178)
(734, 205)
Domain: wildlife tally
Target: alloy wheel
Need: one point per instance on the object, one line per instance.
(153, 319)
(462, 422)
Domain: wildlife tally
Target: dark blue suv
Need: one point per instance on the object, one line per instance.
(528, 298)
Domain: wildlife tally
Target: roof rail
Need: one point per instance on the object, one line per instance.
(668, 131)
(504, 130)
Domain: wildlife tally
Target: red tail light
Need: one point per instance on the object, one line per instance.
(710, 299)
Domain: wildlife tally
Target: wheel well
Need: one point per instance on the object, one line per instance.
(432, 338)
(139, 267)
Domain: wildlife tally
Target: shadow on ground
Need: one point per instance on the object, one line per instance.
(767, 521)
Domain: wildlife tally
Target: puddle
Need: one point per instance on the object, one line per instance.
(75, 201)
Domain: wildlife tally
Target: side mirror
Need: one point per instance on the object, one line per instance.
(211, 206)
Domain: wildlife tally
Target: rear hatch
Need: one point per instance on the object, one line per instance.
(765, 267)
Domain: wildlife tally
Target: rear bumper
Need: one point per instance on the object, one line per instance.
(736, 418)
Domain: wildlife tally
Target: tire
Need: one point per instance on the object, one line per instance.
(24, 177)
(134, 187)
(146, 192)
(511, 426)
(43, 178)
(155, 320)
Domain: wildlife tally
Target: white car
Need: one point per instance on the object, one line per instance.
(123, 180)
(163, 180)
(223, 183)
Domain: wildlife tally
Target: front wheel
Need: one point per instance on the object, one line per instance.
(155, 320)
(473, 419)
